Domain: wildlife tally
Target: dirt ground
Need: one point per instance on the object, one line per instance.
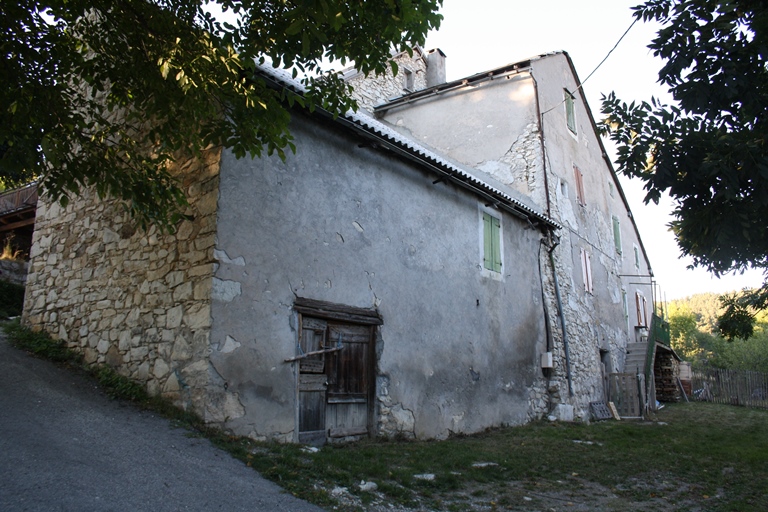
(574, 495)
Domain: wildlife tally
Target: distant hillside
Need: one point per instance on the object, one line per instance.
(694, 336)
(705, 306)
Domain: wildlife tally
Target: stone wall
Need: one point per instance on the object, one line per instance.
(136, 300)
(375, 90)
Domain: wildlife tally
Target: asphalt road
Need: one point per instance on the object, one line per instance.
(65, 446)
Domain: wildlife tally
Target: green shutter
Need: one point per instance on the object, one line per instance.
(496, 240)
(491, 243)
(617, 234)
(487, 242)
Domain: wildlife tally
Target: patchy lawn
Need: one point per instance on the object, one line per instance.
(691, 457)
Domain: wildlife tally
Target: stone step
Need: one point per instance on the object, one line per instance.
(636, 355)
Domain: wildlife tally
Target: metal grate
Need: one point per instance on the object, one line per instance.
(600, 411)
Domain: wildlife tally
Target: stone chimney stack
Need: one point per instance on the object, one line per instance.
(435, 67)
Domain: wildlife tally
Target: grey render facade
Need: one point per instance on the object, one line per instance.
(390, 277)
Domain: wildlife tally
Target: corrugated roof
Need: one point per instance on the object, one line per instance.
(412, 150)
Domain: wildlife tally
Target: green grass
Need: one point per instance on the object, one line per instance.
(692, 457)
(695, 457)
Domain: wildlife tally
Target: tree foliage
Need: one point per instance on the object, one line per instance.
(742, 311)
(708, 150)
(105, 94)
(696, 340)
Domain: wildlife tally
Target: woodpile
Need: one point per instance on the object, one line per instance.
(666, 373)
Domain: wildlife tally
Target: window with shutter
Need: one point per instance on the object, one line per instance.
(637, 257)
(579, 178)
(586, 270)
(570, 111)
(617, 234)
(641, 304)
(491, 243)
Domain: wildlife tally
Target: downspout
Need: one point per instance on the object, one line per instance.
(561, 314)
(547, 323)
(540, 118)
(562, 318)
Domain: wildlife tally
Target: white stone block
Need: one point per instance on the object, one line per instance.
(563, 412)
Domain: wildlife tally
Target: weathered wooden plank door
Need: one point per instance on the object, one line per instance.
(336, 388)
(312, 382)
(350, 382)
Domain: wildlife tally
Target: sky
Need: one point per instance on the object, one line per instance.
(479, 35)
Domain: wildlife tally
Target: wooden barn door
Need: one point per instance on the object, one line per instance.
(350, 380)
(336, 387)
(312, 382)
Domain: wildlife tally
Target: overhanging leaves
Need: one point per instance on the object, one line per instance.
(105, 94)
(708, 151)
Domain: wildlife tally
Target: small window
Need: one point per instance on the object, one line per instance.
(611, 189)
(579, 177)
(586, 270)
(637, 256)
(570, 111)
(408, 80)
(491, 243)
(616, 234)
(564, 188)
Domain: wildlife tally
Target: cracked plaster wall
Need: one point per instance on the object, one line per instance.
(493, 128)
(458, 352)
(594, 320)
(136, 300)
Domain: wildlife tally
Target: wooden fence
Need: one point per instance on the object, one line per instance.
(626, 391)
(731, 387)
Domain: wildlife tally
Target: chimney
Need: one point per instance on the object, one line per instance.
(435, 67)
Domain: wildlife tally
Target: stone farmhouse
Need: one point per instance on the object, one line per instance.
(454, 256)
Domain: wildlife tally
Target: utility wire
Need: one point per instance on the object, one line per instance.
(598, 66)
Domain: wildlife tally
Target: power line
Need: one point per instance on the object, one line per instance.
(598, 66)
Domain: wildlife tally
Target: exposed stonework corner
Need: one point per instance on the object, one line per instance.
(372, 91)
(137, 300)
(397, 421)
(394, 419)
